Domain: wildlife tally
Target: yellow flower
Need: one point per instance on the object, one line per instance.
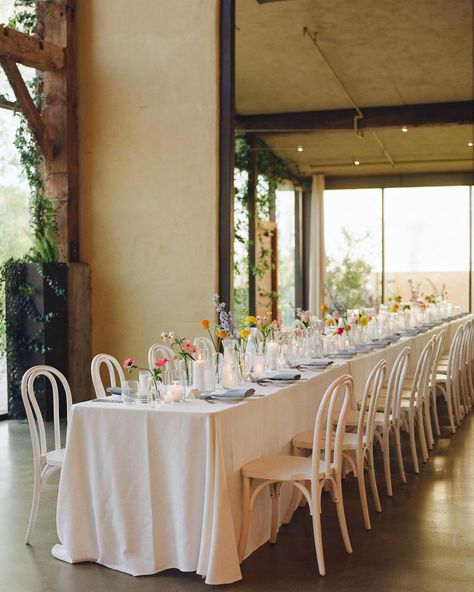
(244, 333)
(394, 308)
(221, 334)
(329, 322)
(364, 321)
(250, 321)
(323, 308)
(205, 324)
(398, 299)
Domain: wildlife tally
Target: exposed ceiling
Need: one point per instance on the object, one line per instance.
(384, 53)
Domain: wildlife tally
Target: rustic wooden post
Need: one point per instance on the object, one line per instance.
(59, 115)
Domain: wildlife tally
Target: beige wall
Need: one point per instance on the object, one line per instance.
(148, 140)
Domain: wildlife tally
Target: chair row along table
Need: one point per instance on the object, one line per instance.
(147, 489)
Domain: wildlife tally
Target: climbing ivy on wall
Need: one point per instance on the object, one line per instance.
(15, 343)
(272, 171)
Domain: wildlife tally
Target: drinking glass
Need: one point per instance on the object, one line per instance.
(130, 392)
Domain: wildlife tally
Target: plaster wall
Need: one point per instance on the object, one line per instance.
(148, 148)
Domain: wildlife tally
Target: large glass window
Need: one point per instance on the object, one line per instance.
(353, 244)
(285, 220)
(427, 242)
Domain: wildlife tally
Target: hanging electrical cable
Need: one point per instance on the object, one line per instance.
(359, 114)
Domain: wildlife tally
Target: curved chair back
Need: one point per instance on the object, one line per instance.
(33, 411)
(204, 343)
(453, 372)
(421, 377)
(372, 390)
(395, 386)
(158, 351)
(331, 419)
(114, 368)
(453, 355)
(438, 347)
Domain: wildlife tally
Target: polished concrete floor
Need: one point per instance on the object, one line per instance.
(423, 540)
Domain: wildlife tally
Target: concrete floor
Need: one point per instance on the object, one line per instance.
(423, 540)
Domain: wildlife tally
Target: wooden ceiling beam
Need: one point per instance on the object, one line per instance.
(30, 51)
(461, 112)
(28, 107)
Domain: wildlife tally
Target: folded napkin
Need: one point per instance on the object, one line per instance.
(114, 390)
(284, 376)
(318, 363)
(234, 394)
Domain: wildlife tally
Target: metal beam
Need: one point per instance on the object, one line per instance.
(30, 51)
(461, 112)
(226, 149)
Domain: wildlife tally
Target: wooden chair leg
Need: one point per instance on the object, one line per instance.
(275, 494)
(34, 506)
(411, 431)
(362, 492)
(341, 514)
(398, 446)
(318, 537)
(373, 481)
(386, 462)
(244, 529)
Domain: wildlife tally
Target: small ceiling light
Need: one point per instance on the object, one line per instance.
(404, 129)
(470, 144)
(300, 148)
(357, 162)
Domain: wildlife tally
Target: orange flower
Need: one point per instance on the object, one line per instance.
(221, 334)
(205, 324)
(323, 308)
(347, 328)
(398, 299)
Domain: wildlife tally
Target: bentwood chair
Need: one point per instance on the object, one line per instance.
(448, 380)
(158, 351)
(432, 382)
(114, 369)
(428, 397)
(465, 369)
(388, 422)
(414, 403)
(45, 462)
(357, 448)
(205, 344)
(324, 467)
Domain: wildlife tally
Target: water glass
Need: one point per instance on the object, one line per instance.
(130, 392)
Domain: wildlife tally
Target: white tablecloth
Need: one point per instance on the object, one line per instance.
(143, 490)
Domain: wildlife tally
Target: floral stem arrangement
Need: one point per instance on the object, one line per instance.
(304, 316)
(156, 373)
(184, 350)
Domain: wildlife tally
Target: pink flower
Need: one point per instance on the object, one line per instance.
(189, 347)
(161, 362)
(335, 315)
(129, 363)
(298, 332)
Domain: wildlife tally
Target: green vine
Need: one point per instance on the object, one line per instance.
(272, 171)
(16, 342)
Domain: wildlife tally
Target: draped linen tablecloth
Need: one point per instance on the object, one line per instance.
(143, 490)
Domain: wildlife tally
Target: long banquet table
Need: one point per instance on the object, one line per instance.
(146, 489)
